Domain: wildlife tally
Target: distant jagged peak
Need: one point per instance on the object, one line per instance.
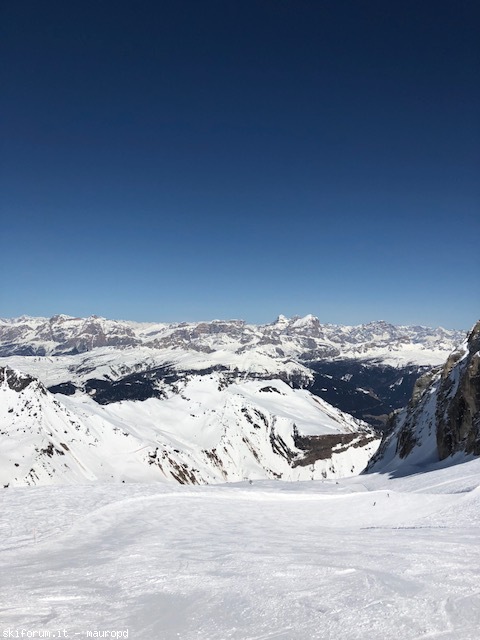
(473, 338)
(234, 322)
(61, 317)
(306, 321)
(379, 323)
(296, 322)
(280, 325)
(24, 319)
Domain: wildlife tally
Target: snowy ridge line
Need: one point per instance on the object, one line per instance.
(300, 339)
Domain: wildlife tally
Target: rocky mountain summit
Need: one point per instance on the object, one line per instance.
(442, 419)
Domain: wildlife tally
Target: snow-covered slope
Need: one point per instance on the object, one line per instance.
(304, 339)
(367, 558)
(201, 429)
(442, 420)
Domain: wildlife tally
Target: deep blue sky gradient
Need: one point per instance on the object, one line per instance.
(195, 159)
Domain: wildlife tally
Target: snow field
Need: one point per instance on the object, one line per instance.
(362, 558)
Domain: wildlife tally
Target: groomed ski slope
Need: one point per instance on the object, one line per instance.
(362, 558)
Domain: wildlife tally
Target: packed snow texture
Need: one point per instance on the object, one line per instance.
(365, 558)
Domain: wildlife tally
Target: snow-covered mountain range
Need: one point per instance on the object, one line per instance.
(304, 339)
(95, 399)
(367, 370)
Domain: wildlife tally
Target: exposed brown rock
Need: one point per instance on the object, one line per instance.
(445, 405)
(458, 405)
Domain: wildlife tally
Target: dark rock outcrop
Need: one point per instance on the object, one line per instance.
(458, 405)
(16, 380)
(442, 418)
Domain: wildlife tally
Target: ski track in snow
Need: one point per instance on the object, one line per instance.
(362, 558)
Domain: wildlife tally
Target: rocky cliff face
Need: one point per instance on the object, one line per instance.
(458, 407)
(442, 418)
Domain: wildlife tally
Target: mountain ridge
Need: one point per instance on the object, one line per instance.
(368, 370)
(304, 339)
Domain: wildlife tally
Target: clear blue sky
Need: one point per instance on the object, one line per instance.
(198, 159)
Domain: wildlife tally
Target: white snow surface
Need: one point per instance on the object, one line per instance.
(364, 558)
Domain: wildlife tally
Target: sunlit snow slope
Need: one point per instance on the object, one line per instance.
(358, 559)
(203, 430)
